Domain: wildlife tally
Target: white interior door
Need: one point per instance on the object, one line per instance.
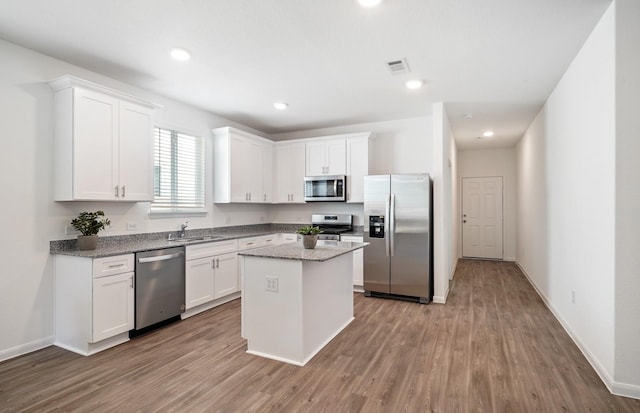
(482, 217)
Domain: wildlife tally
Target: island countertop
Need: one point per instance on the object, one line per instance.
(324, 251)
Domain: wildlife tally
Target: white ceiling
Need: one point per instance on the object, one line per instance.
(496, 59)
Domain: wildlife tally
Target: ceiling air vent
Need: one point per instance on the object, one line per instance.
(398, 67)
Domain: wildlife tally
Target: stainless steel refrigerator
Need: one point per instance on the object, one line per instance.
(398, 226)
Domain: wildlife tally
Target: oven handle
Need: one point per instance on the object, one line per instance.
(160, 258)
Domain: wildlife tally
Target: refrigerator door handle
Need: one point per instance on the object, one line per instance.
(392, 224)
(387, 233)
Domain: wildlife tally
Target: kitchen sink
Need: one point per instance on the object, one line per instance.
(197, 238)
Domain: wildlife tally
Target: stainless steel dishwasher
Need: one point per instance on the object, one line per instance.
(160, 289)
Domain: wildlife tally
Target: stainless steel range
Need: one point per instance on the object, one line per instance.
(332, 225)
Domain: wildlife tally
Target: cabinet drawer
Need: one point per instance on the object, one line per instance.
(257, 242)
(351, 238)
(288, 238)
(209, 249)
(113, 265)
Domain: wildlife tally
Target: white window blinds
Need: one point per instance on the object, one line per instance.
(178, 171)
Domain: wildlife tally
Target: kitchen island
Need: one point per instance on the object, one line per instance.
(295, 300)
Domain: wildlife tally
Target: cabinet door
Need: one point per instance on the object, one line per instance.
(297, 173)
(267, 173)
(95, 120)
(199, 281)
(113, 311)
(226, 274)
(290, 161)
(357, 168)
(136, 152)
(315, 159)
(246, 170)
(336, 157)
(283, 176)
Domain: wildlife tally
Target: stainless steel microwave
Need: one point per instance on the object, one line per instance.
(325, 188)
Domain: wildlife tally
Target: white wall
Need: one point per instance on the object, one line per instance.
(454, 207)
(496, 162)
(627, 241)
(532, 203)
(577, 155)
(30, 217)
(442, 203)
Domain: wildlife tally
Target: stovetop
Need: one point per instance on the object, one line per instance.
(335, 230)
(333, 223)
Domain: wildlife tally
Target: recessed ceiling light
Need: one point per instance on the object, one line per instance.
(488, 133)
(180, 54)
(414, 84)
(280, 105)
(369, 3)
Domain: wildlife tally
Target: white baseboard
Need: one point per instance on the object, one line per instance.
(617, 388)
(26, 348)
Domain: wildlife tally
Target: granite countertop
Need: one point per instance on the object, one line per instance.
(324, 251)
(128, 244)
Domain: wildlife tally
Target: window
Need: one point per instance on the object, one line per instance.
(178, 172)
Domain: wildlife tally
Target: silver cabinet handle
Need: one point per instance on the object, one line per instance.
(159, 258)
(116, 265)
(131, 279)
(117, 191)
(213, 263)
(217, 262)
(265, 198)
(123, 191)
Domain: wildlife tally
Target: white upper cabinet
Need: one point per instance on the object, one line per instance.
(103, 143)
(267, 173)
(358, 159)
(242, 170)
(290, 164)
(326, 157)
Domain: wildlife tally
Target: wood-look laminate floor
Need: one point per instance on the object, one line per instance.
(494, 347)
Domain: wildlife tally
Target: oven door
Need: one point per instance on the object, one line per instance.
(325, 188)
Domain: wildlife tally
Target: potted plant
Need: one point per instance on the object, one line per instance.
(89, 224)
(309, 236)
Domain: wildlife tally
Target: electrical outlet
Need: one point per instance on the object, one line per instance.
(299, 219)
(227, 220)
(261, 218)
(272, 284)
(132, 226)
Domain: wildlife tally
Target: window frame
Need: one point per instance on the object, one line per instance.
(175, 210)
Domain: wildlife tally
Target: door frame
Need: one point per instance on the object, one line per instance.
(461, 218)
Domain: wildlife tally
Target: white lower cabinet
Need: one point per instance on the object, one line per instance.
(226, 275)
(358, 261)
(113, 303)
(94, 302)
(199, 282)
(211, 272)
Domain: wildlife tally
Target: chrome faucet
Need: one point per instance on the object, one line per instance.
(183, 227)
